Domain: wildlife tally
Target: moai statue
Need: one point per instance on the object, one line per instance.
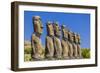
(65, 42)
(57, 42)
(37, 48)
(71, 49)
(78, 45)
(49, 49)
(75, 50)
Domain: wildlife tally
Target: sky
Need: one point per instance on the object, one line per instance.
(76, 22)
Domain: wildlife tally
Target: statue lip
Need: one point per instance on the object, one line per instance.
(42, 27)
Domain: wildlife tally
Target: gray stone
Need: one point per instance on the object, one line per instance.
(37, 48)
(78, 46)
(64, 42)
(57, 42)
(49, 50)
(71, 50)
(75, 46)
(38, 27)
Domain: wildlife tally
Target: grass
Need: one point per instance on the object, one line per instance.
(27, 57)
(85, 52)
(27, 50)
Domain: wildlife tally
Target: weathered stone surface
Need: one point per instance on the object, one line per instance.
(38, 27)
(37, 48)
(65, 32)
(58, 47)
(79, 51)
(65, 49)
(75, 46)
(57, 42)
(65, 45)
(71, 50)
(57, 30)
(55, 47)
(49, 50)
(50, 29)
(78, 46)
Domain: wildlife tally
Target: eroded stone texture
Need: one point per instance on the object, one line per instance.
(57, 42)
(67, 47)
(49, 50)
(38, 27)
(65, 44)
(57, 30)
(71, 49)
(75, 45)
(37, 48)
(78, 46)
(50, 29)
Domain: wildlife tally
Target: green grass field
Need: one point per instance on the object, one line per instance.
(85, 53)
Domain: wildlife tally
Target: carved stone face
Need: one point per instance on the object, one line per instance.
(50, 29)
(57, 30)
(78, 38)
(38, 27)
(64, 32)
(71, 38)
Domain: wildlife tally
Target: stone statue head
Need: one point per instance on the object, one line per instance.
(65, 32)
(57, 30)
(71, 38)
(50, 29)
(77, 38)
(38, 27)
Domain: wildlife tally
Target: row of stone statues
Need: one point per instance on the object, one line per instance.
(67, 47)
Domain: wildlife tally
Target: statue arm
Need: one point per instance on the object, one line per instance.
(62, 44)
(33, 46)
(55, 45)
(47, 44)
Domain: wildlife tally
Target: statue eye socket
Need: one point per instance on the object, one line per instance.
(35, 42)
(36, 19)
(42, 27)
(49, 24)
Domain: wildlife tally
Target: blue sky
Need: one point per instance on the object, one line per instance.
(76, 22)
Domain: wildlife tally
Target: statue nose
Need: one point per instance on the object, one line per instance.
(59, 29)
(42, 27)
